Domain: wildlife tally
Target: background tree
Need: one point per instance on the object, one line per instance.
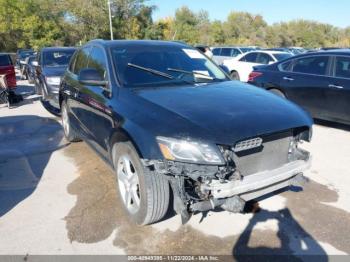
(39, 23)
(185, 23)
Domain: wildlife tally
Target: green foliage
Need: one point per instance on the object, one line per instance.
(39, 23)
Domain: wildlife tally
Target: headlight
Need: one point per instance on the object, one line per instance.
(189, 151)
(55, 81)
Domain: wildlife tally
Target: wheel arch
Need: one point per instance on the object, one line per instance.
(278, 89)
(145, 144)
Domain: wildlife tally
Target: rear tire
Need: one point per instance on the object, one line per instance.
(144, 193)
(69, 132)
(235, 76)
(277, 92)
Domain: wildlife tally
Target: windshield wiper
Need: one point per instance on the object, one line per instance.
(152, 71)
(194, 73)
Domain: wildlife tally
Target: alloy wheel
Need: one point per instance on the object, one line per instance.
(128, 182)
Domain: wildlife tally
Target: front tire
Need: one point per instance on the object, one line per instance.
(69, 132)
(143, 193)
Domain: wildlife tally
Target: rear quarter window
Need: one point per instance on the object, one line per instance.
(342, 67)
(5, 60)
(286, 66)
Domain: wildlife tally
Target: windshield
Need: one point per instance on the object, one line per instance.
(57, 58)
(148, 65)
(281, 57)
(24, 55)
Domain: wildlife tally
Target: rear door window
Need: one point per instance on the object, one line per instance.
(216, 51)
(226, 52)
(316, 65)
(5, 60)
(250, 58)
(342, 67)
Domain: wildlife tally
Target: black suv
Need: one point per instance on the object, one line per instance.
(163, 115)
(319, 82)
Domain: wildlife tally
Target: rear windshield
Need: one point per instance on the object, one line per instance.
(57, 58)
(246, 49)
(5, 60)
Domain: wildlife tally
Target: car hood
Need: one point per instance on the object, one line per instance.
(54, 70)
(224, 112)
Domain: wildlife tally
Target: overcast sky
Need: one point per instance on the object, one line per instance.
(335, 12)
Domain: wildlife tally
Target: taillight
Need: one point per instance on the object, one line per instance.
(253, 75)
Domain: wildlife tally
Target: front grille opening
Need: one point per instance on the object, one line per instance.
(272, 154)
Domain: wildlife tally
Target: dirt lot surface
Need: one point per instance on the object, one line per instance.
(60, 198)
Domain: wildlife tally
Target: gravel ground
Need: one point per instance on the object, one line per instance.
(60, 198)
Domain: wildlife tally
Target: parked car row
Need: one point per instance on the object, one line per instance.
(241, 66)
(220, 54)
(21, 57)
(50, 65)
(45, 69)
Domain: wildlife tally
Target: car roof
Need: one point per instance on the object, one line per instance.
(110, 43)
(232, 47)
(327, 52)
(268, 52)
(334, 51)
(58, 48)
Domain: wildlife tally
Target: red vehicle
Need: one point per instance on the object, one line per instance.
(7, 68)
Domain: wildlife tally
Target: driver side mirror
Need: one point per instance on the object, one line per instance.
(91, 77)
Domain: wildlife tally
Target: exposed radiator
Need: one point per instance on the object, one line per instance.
(273, 153)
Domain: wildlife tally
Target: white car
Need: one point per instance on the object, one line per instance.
(227, 52)
(241, 66)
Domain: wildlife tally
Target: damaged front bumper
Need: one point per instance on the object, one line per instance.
(199, 188)
(259, 184)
